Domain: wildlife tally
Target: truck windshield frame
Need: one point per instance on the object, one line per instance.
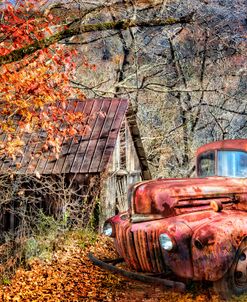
(225, 163)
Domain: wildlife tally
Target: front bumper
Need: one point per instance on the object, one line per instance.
(110, 265)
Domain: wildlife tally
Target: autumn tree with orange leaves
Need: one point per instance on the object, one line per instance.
(36, 71)
(34, 90)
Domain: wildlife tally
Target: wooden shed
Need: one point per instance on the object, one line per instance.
(111, 152)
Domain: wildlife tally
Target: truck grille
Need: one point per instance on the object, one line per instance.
(192, 205)
(139, 248)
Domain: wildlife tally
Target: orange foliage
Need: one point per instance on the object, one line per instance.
(31, 88)
(70, 276)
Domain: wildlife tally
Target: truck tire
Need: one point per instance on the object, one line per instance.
(234, 282)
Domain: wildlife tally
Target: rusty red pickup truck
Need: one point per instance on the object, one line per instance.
(190, 228)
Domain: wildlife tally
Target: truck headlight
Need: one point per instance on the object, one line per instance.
(166, 242)
(108, 229)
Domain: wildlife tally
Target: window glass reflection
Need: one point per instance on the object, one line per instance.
(232, 163)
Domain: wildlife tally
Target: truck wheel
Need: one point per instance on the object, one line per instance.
(234, 282)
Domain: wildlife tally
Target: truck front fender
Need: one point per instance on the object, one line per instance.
(214, 245)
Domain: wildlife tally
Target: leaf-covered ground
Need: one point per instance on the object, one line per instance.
(70, 276)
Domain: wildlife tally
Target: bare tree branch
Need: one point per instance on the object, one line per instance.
(71, 31)
(243, 112)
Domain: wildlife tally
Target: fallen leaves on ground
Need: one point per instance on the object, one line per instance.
(70, 276)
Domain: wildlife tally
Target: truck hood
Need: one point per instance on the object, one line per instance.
(169, 197)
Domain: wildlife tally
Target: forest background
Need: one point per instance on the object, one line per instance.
(186, 82)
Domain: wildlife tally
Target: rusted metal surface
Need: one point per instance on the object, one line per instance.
(82, 154)
(204, 218)
(172, 197)
(202, 251)
(219, 242)
(145, 254)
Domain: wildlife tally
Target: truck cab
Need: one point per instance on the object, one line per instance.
(195, 228)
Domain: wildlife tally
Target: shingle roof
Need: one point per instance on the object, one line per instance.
(84, 154)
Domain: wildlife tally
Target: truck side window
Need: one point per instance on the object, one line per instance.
(232, 163)
(206, 164)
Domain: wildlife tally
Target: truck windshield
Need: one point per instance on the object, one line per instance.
(232, 163)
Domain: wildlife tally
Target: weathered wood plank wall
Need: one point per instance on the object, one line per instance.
(123, 170)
